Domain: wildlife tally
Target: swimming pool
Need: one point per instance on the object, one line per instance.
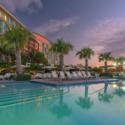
(36, 104)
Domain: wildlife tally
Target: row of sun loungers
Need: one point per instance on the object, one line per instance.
(73, 76)
(121, 74)
(70, 76)
(54, 75)
(7, 75)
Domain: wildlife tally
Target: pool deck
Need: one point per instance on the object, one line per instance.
(53, 82)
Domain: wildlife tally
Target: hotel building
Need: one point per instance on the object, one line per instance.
(37, 42)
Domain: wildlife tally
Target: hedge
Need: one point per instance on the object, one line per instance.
(23, 77)
(106, 74)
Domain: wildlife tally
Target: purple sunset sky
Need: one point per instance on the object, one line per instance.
(99, 24)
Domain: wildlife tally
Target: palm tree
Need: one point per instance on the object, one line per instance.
(62, 109)
(63, 48)
(104, 96)
(86, 54)
(120, 63)
(85, 102)
(119, 92)
(17, 37)
(105, 57)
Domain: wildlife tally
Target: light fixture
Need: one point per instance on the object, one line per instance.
(114, 86)
(97, 66)
(118, 63)
(114, 64)
(123, 88)
(124, 63)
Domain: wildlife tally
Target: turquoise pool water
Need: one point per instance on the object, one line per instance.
(35, 104)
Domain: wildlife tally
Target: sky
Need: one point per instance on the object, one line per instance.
(98, 24)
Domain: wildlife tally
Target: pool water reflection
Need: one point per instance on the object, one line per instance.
(35, 104)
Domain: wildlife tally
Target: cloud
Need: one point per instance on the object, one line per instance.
(108, 36)
(54, 25)
(22, 5)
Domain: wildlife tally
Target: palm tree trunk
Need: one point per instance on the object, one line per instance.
(86, 91)
(106, 67)
(105, 88)
(119, 68)
(18, 61)
(61, 62)
(86, 65)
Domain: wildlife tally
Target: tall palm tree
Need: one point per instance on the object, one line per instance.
(86, 54)
(17, 37)
(105, 57)
(63, 48)
(85, 102)
(120, 63)
(104, 96)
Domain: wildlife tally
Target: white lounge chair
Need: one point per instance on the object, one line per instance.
(69, 75)
(119, 74)
(62, 76)
(49, 75)
(7, 75)
(75, 75)
(1, 77)
(81, 76)
(44, 76)
(85, 75)
(88, 73)
(37, 75)
(122, 73)
(55, 76)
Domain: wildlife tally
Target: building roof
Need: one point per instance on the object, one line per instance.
(8, 13)
(5, 10)
(43, 37)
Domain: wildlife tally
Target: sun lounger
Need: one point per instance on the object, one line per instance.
(69, 75)
(1, 77)
(37, 75)
(80, 75)
(62, 76)
(44, 76)
(85, 75)
(7, 75)
(55, 76)
(75, 75)
(88, 73)
(119, 74)
(122, 73)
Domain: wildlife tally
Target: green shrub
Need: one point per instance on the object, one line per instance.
(97, 69)
(23, 77)
(106, 74)
(12, 77)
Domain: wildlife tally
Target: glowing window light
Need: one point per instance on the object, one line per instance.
(0, 14)
(5, 17)
(40, 38)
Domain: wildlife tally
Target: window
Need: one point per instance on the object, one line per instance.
(11, 22)
(1, 30)
(5, 25)
(3, 15)
(7, 19)
(43, 44)
(1, 23)
(16, 25)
